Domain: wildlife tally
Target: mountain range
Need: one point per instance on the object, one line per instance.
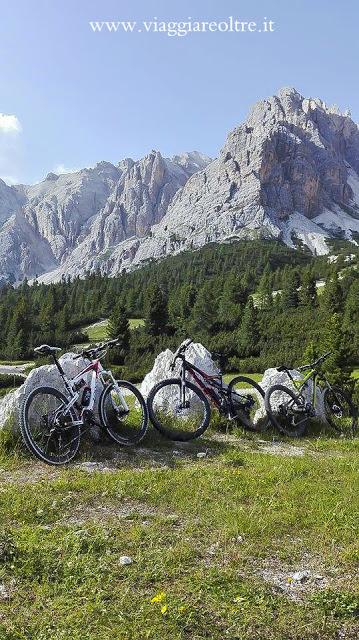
(289, 172)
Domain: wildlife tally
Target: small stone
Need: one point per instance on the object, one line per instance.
(4, 594)
(125, 560)
(201, 454)
(301, 576)
(239, 539)
(176, 453)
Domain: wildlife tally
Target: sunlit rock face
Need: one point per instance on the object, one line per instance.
(289, 172)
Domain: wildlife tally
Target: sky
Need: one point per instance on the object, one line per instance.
(70, 97)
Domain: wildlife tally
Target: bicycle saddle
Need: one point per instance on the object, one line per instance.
(46, 350)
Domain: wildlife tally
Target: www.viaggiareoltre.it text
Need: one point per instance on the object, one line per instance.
(183, 27)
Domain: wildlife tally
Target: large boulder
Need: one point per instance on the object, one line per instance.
(196, 353)
(47, 375)
(273, 376)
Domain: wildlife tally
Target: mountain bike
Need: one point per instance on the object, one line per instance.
(290, 409)
(52, 422)
(180, 409)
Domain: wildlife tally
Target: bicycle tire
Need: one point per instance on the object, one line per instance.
(175, 434)
(296, 431)
(328, 408)
(26, 433)
(242, 414)
(123, 440)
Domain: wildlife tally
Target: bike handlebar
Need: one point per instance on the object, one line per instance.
(180, 351)
(316, 363)
(98, 351)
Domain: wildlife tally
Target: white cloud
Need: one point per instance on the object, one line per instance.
(11, 149)
(9, 123)
(60, 168)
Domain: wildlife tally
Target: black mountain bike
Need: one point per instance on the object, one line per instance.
(291, 408)
(180, 409)
(52, 422)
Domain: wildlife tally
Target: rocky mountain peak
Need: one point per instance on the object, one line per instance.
(290, 172)
(51, 177)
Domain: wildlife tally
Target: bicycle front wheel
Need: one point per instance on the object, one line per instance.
(178, 416)
(123, 413)
(246, 399)
(340, 411)
(286, 410)
(47, 426)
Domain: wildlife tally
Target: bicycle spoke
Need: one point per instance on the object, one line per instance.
(44, 429)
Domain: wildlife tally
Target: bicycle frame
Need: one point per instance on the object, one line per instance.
(97, 374)
(313, 375)
(207, 383)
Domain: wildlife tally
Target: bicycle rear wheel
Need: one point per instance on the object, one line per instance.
(286, 410)
(123, 413)
(178, 418)
(340, 411)
(246, 399)
(47, 426)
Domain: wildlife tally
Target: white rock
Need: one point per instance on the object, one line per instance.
(125, 560)
(201, 454)
(301, 576)
(47, 375)
(4, 593)
(196, 354)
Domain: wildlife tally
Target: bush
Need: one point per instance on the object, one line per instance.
(8, 381)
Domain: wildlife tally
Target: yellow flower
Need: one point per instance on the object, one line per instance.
(164, 609)
(158, 597)
(181, 609)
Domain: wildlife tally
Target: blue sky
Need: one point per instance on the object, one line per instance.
(78, 97)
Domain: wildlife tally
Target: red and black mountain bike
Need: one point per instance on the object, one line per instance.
(180, 409)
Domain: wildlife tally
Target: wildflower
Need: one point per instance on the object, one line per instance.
(158, 597)
(181, 609)
(164, 609)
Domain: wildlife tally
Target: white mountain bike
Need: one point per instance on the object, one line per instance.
(52, 422)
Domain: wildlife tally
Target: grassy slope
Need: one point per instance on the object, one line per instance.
(254, 376)
(179, 519)
(98, 331)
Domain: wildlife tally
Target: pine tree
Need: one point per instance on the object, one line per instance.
(351, 320)
(204, 312)
(119, 328)
(265, 288)
(290, 297)
(62, 325)
(332, 340)
(47, 316)
(19, 331)
(249, 334)
(308, 291)
(229, 310)
(156, 311)
(332, 298)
